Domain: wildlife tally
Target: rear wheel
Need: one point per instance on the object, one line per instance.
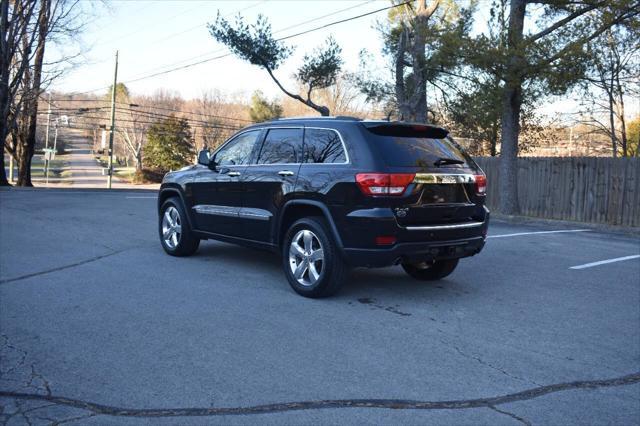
(430, 271)
(311, 260)
(176, 236)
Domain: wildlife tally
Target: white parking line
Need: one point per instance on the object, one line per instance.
(154, 197)
(603, 262)
(538, 232)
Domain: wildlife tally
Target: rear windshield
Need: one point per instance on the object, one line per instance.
(416, 148)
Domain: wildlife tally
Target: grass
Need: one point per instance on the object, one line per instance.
(37, 168)
(125, 173)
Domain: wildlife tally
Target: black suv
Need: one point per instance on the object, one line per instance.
(329, 194)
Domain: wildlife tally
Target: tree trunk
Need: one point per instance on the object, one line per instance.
(4, 89)
(493, 140)
(511, 107)
(512, 102)
(623, 124)
(24, 165)
(401, 101)
(27, 137)
(612, 126)
(3, 174)
(419, 104)
(138, 160)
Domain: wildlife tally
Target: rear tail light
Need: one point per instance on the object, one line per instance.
(481, 184)
(384, 183)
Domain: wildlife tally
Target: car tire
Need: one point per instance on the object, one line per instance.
(311, 260)
(176, 236)
(425, 271)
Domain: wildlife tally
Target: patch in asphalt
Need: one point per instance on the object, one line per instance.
(396, 404)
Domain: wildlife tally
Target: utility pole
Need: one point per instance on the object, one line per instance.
(571, 150)
(46, 142)
(113, 122)
(46, 139)
(55, 139)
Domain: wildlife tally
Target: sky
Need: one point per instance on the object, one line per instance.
(155, 35)
(150, 35)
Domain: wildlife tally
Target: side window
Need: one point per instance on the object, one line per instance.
(238, 151)
(281, 146)
(323, 146)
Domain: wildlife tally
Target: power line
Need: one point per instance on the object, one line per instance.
(217, 51)
(155, 107)
(203, 24)
(148, 121)
(330, 24)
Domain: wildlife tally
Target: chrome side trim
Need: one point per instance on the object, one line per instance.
(216, 210)
(444, 178)
(440, 227)
(253, 213)
(244, 212)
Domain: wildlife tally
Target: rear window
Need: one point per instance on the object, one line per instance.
(419, 146)
(323, 146)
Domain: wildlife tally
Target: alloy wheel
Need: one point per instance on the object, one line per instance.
(171, 227)
(306, 257)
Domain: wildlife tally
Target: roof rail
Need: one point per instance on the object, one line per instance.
(338, 117)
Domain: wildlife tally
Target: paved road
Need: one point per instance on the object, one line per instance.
(97, 324)
(83, 169)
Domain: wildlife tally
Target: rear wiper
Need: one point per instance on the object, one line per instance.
(441, 161)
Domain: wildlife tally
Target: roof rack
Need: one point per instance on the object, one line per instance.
(337, 117)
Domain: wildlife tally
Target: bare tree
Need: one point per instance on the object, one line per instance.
(16, 39)
(615, 69)
(27, 28)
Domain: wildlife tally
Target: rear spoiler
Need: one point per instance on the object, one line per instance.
(407, 130)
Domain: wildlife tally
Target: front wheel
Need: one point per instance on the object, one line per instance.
(310, 258)
(176, 236)
(430, 271)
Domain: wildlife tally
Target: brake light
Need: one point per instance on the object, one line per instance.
(384, 183)
(481, 184)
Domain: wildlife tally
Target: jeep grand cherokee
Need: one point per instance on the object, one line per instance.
(329, 194)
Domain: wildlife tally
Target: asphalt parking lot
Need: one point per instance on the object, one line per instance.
(99, 326)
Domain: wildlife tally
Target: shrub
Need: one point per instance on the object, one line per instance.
(169, 145)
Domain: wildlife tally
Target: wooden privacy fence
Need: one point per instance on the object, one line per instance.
(585, 189)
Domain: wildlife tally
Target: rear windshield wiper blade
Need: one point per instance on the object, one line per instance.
(441, 161)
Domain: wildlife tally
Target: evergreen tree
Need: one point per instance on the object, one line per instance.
(263, 110)
(169, 145)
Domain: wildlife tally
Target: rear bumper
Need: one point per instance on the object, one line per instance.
(407, 252)
(437, 242)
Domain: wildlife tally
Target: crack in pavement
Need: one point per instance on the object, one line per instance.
(396, 404)
(513, 416)
(62, 268)
(488, 364)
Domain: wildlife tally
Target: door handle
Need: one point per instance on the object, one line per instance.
(233, 174)
(285, 173)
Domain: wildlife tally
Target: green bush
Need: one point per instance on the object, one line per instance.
(169, 145)
(147, 176)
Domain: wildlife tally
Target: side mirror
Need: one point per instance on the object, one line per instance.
(203, 157)
(213, 165)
